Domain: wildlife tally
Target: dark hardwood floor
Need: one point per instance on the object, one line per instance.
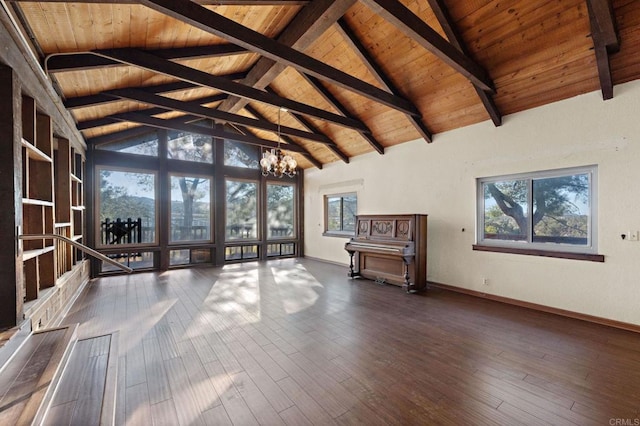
(296, 342)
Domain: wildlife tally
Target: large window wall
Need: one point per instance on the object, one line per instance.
(166, 199)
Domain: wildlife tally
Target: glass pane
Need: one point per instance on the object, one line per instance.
(288, 248)
(200, 256)
(134, 260)
(190, 208)
(233, 253)
(127, 207)
(505, 210)
(241, 212)
(241, 155)
(273, 249)
(179, 257)
(561, 210)
(190, 147)
(280, 211)
(284, 249)
(241, 252)
(249, 252)
(142, 145)
(333, 213)
(189, 256)
(349, 209)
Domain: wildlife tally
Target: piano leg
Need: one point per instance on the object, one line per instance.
(351, 273)
(407, 283)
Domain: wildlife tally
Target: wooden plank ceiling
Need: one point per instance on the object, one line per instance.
(355, 76)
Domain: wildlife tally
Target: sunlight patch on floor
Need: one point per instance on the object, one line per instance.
(300, 290)
(134, 330)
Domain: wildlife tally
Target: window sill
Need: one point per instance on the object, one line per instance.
(338, 234)
(542, 253)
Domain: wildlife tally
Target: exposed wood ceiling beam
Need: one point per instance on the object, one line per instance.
(202, 2)
(182, 72)
(306, 154)
(176, 86)
(179, 124)
(98, 122)
(119, 136)
(375, 69)
(442, 14)
(84, 61)
(328, 96)
(107, 120)
(602, 11)
(284, 137)
(257, 114)
(195, 108)
(308, 24)
(605, 41)
(221, 26)
(415, 28)
(309, 126)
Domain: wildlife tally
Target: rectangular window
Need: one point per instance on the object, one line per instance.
(136, 260)
(190, 208)
(280, 211)
(241, 218)
(340, 214)
(283, 249)
(241, 252)
(192, 256)
(549, 211)
(127, 207)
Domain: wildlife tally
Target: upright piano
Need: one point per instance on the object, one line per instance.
(390, 249)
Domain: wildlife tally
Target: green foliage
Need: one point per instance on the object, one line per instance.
(558, 205)
(115, 202)
(241, 202)
(190, 147)
(241, 155)
(280, 205)
(341, 213)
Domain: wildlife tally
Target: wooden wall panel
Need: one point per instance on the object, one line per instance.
(10, 193)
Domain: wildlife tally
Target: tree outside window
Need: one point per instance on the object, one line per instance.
(241, 210)
(340, 214)
(551, 210)
(127, 207)
(190, 208)
(280, 211)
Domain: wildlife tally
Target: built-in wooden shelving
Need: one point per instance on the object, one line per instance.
(52, 201)
(38, 216)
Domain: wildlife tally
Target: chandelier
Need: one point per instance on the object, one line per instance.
(275, 162)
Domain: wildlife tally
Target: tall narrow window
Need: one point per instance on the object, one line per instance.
(127, 207)
(552, 210)
(340, 214)
(280, 211)
(241, 210)
(190, 208)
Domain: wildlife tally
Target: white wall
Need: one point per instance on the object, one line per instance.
(439, 179)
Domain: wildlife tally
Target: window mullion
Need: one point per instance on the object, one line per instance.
(530, 212)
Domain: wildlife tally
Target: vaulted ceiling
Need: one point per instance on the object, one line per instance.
(354, 76)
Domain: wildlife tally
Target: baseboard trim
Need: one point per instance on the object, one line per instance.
(562, 312)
